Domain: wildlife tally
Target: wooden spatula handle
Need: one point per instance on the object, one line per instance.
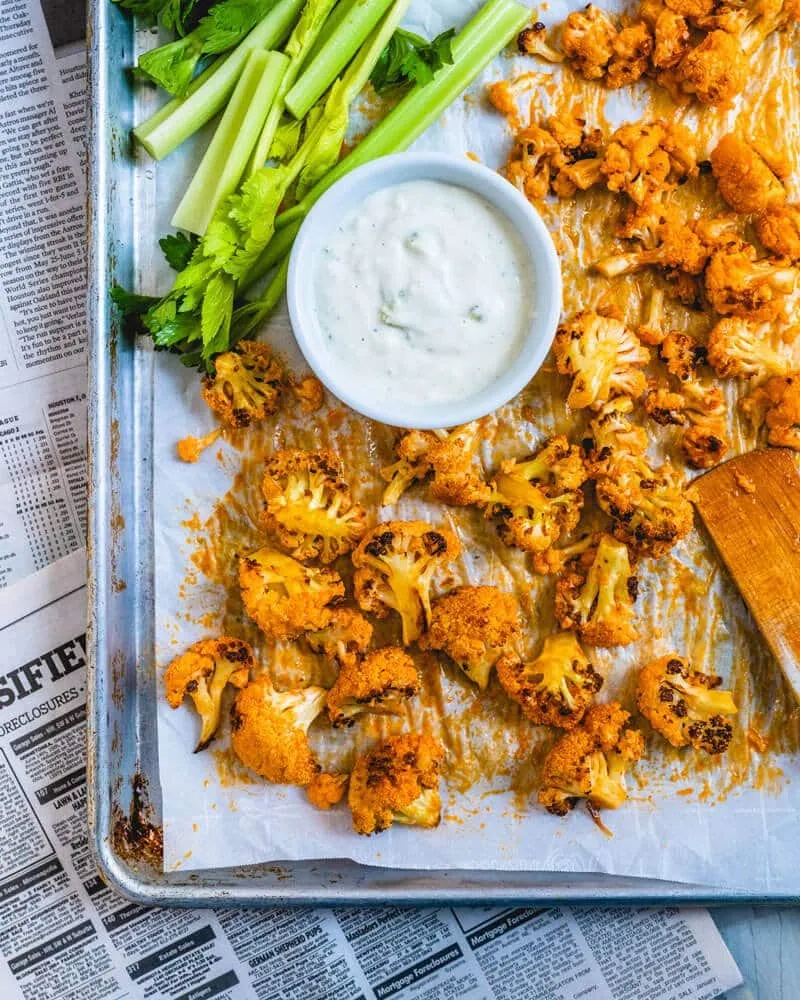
(751, 507)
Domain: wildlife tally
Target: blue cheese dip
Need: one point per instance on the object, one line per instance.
(426, 290)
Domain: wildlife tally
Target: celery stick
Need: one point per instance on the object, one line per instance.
(249, 317)
(335, 54)
(225, 159)
(473, 48)
(277, 248)
(209, 93)
(302, 39)
(337, 15)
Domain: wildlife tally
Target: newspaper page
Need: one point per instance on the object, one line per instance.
(66, 934)
(42, 293)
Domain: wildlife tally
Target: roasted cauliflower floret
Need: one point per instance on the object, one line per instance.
(613, 443)
(777, 404)
(778, 228)
(715, 71)
(596, 593)
(743, 176)
(602, 356)
(532, 41)
(671, 39)
(245, 386)
(559, 156)
(703, 443)
(669, 243)
(664, 406)
(682, 355)
(344, 639)
(647, 158)
(269, 731)
(203, 672)
(308, 505)
(553, 560)
(589, 762)
(326, 790)
(538, 500)
(557, 687)
(447, 459)
(396, 563)
(738, 285)
(684, 705)
(474, 626)
(397, 782)
(284, 597)
(309, 393)
(738, 349)
(379, 684)
(587, 38)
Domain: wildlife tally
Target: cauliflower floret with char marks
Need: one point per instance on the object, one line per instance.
(603, 357)
(777, 404)
(738, 285)
(664, 406)
(671, 39)
(326, 790)
(738, 349)
(378, 684)
(559, 156)
(590, 762)
(587, 39)
(245, 386)
(633, 48)
(284, 597)
(474, 626)
(715, 71)
(744, 178)
(397, 782)
(778, 228)
(203, 672)
(703, 443)
(396, 563)
(344, 639)
(532, 41)
(685, 706)
(647, 158)
(682, 355)
(670, 243)
(269, 731)
(596, 593)
(613, 443)
(446, 459)
(557, 687)
(308, 505)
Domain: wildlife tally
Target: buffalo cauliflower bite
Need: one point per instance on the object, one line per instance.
(538, 500)
(557, 687)
(379, 684)
(777, 404)
(778, 228)
(308, 505)
(474, 626)
(595, 595)
(396, 563)
(684, 705)
(602, 356)
(309, 393)
(703, 442)
(245, 386)
(554, 560)
(613, 443)
(269, 731)
(743, 176)
(738, 285)
(203, 672)
(738, 349)
(669, 243)
(589, 762)
(532, 41)
(344, 639)
(445, 458)
(326, 790)
(671, 39)
(715, 71)
(397, 782)
(664, 406)
(284, 597)
(597, 50)
(682, 355)
(647, 158)
(558, 156)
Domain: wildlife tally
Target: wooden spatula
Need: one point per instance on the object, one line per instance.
(751, 507)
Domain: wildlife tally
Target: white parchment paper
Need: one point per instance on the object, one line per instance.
(732, 824)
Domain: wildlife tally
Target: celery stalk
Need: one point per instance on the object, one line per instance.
(228, 152)
(208, 93)
(334, 55)
(277, 248)
(473, 48)
(337, 15)
(302, 39)
(249, 317)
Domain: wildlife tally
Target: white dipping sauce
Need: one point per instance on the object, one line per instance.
(426, 290)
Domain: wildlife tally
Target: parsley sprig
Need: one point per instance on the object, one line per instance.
(410, 58)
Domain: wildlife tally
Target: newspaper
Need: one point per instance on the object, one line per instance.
(66, 934)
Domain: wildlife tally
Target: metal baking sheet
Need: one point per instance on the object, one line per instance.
(124, 790)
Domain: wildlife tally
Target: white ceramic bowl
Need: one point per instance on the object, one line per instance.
(345, 196)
